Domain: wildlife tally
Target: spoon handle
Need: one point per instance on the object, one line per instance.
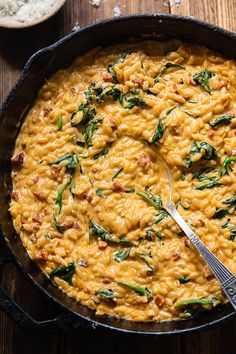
(224, 276)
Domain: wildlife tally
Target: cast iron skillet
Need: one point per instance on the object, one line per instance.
(40, 66)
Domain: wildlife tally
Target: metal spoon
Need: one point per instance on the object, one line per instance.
(226, 278)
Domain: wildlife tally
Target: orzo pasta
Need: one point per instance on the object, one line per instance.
(88, 184)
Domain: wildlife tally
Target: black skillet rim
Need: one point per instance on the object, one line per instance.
(23, 76)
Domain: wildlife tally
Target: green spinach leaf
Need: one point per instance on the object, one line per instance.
(209, 152)
(184, 280)
(97, 230)
(162, 215)
(122, 254)
(232, 234)
(226, 166)
(156, 202)
(165, 68)
(82, 115)
(111, 67)
(89, 130)
(104, 151)
(151, 233)
(64, 272)
(147, 259)
(59, 196)
(222, 120)
(117, 173)
(202, 79)
(59, 122)
(88, 95)
(130, 190)
(201, 301)
(170, 110)
(220, 213)
(58, 227)
(100, 193)
(158, 134)
(72, 162)
(138, 289)
(106, 294)
(208, 185)
(231, 201)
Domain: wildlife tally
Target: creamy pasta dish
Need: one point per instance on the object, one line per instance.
(89, 183)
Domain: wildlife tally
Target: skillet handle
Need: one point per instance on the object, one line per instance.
(61, 323)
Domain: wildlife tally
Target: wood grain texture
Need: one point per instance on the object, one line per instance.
(220, 12)
(15, 48)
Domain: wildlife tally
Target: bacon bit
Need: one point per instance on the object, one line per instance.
(174, 129)
(94, 170)
(102, 245)
(152, 235)
(36, 227)
(73, 90)
(210, 133)
(113, 123)
(67, 223)
(55, 170)
(23, 220)
(15, 196)
(208, 274)
(83, 195)
(138, 80)
(46, 211)
(143, 160)
(37, 218)
(35, 178)
(107, 77)
(40, 195)
(18, 160)
(47, 111)
(117, 187)
(88, 194)
(83, 263)
(175, 89)
(222, 84)
(106, 281)
(41, 255)
(159, 300)
(76, 225)
(176, 256)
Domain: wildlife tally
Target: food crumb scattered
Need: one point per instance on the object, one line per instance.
(76, 27)
(95, 3)
(171, 3)
(117, 11)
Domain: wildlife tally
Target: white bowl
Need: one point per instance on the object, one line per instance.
(11, 22)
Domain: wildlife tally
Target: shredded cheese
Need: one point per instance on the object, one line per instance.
(25, 10)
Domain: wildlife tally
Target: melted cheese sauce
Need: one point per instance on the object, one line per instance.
(87, 156)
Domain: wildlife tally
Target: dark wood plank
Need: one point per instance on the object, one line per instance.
(15, 48)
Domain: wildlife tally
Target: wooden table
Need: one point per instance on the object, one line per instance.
(15, 49)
